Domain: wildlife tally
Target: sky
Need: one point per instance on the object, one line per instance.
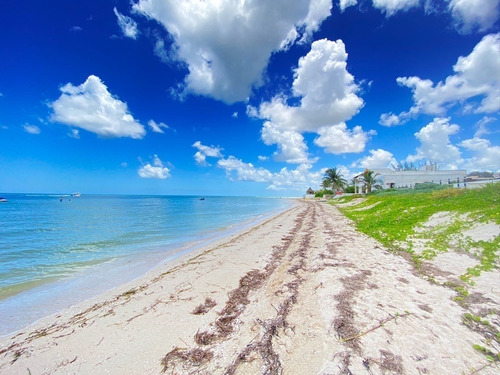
(242, 97)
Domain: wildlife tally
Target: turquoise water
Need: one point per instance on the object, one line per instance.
(54, 253)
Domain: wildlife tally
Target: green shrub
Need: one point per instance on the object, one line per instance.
(428, 186)
(350, 189)
(320, 193)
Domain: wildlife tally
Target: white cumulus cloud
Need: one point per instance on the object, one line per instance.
(297, 179)
(154, 170)
(203, 151)
(127, 25)
(338, 139)
(343, 4)
(90, 106)
(435, 144)
(475, 85)
(377, 159)
(238, 170)
(220, 39)
(485, 156)
(327, 93)
(474, 14)
(390, 119)
(291, 144)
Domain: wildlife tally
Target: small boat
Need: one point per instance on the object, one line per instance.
(76, 195)
(3, 200)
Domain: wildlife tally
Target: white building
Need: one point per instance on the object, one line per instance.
(390, 179)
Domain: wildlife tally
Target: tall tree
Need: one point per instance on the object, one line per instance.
(333, 179)
(370, 181)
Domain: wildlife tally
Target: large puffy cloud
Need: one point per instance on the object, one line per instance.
(291, 145)
(327, 93)
(377, 159)
(338, 139)
(154, 170)
(472, 14)
(91, 107)
(226, 44)
(485, 156)
(476, 77)
(435, 144)
(127, 24)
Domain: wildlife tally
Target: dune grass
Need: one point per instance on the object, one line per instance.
(394, 218)
(400, 220)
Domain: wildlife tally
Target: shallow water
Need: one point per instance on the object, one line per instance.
(54, 253)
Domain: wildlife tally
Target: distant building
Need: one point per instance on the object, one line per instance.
(391, 179)
(309, 193)
(479, 182)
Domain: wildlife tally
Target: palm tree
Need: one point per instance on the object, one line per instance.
(333, 179)
(370, 181)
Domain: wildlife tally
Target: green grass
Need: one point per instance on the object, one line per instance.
(397, 215)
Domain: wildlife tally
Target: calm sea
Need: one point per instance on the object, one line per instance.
(55, 253)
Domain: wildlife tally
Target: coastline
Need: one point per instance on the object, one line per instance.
(301, 292)
(30, 305)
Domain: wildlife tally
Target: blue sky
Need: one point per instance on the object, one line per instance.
(227, 97)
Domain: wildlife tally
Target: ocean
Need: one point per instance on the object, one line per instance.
(58, 250)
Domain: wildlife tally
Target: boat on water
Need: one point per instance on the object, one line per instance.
(3, 200)
(76, 195)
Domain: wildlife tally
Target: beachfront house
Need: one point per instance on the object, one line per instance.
(309, 194)
(392, 179)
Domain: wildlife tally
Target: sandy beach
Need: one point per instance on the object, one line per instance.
(301, 293)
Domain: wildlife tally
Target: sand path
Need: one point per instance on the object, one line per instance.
(302, 293)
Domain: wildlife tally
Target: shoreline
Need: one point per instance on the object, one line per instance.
(102, 283)
(301, 292)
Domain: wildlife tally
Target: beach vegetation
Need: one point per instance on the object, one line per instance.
(350, 189)
(321, 193)
(370, 181)
(333, 179)
(400, 221)
(490, 356)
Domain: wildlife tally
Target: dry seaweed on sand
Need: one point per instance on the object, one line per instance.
(204, 307)
(195, 357)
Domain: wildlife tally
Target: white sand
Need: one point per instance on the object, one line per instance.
(322, 299)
